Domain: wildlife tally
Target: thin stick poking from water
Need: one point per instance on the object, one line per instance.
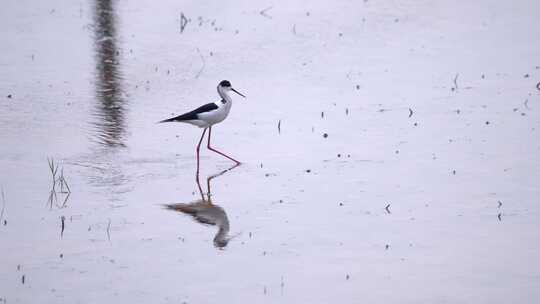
(203, 64)
(183, 22)
(62, 181)
(109, 230)
(63, 225)
(455, 81)
(279, 126)
(3, 205)
(54, 170)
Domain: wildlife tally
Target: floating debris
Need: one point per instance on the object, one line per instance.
(455, 83)
(109, 230)
(325, 135)
(499, 216)
(500, 204)
(264, 14)
(183, 22)
(279, 126)
(410, 112)
(3, 206)
(63, 225)
(387, 208)
(203, 64)
(9, 96)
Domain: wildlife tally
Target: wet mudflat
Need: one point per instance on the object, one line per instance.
(390, 152)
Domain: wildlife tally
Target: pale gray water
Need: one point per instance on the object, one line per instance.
(88, 81)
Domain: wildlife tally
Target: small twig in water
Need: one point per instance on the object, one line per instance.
(387, 208)
(264, 14)
(63, 225)
(3, 205)
(410, 112)
(183, 22)
(62, 181)
(455, 81)
(65, 200)
(499, 216)
(500, 204)
(203, 64)
(54, 170)
(109, 230)
(526, 104)
(279, 126)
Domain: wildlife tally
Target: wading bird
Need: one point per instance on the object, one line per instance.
(208, 115)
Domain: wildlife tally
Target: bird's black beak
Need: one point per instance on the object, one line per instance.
(238, 92)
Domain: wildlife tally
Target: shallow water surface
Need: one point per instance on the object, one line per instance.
(389, 152)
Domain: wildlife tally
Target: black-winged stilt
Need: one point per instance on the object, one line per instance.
(208, 115)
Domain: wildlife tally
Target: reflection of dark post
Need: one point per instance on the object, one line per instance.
(110, 109)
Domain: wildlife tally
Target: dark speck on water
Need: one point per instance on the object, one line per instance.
(325, 135)
(9, 96)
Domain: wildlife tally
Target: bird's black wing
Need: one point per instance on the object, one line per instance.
(193, 114)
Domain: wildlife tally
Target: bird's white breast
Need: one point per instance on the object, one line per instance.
(217, 115)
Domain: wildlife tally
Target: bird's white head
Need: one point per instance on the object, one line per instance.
(225, 86)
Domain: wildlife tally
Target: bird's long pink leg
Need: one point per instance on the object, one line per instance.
(198, 148)
(220, 153)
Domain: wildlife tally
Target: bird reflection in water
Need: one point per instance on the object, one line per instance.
(110, 110)
(206, 212)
